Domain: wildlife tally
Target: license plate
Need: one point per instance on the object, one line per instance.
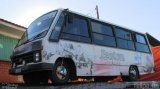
(18, 70)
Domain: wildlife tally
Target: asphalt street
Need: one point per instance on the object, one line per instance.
(93, 85)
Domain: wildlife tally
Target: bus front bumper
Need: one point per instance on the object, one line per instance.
(31, 68)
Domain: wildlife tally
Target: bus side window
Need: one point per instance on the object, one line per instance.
(140, 39)
(103, 34)
(124, 39)
(141, 44)
(77, 30)
(57, 29)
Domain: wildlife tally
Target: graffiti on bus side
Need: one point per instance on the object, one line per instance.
(116, 58)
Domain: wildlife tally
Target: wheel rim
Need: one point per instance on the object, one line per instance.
(61, 72)
(133, 73)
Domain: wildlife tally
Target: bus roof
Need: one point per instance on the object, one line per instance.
(61, 9)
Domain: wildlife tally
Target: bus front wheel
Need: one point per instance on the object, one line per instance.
(60, 73)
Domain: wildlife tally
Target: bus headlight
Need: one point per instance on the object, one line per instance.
(37, 57)
(14, 64)
(23, 62)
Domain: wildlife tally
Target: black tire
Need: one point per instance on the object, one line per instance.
(133, 73)
(64, 73)
(35, 78)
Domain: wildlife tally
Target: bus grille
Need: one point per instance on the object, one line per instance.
(27, 58)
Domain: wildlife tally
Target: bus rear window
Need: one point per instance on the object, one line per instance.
(141, 44)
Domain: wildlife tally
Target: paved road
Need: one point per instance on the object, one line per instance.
(118, 85)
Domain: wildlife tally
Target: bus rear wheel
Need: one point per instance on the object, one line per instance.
(133, 73)
(60, 73)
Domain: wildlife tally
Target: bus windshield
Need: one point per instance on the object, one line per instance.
(38, 28)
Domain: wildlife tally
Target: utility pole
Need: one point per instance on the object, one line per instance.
(97, 11)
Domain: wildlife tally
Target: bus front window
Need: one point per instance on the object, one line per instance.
(38, 28)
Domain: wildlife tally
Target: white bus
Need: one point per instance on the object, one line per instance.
(63, 45)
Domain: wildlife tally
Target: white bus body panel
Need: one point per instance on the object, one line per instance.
(95, 60)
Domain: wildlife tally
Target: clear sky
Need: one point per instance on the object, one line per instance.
(140, 15)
